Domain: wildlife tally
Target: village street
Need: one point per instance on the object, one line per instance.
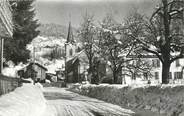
(61, 102)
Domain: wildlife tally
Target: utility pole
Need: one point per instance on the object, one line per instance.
(66, 77)
(1, 54)
(33, 66)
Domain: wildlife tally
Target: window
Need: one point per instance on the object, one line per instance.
(71, 52)
(177, 75)
(170, 75)
(145, 74)
(156, 63)
(177, 63)
(156, 75)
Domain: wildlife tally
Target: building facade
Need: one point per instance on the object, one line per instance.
(6, 23)
(35, 71)
(154, 75)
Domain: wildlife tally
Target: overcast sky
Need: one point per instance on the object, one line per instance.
(58, 11)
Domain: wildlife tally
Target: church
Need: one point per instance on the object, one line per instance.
(75, 59)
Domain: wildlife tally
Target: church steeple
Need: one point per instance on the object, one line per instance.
(70, 38)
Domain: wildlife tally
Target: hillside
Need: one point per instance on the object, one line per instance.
(48, 47)
(55, 30)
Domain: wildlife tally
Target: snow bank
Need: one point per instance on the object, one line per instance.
(9, 71)
(165, 99)
(27, 100)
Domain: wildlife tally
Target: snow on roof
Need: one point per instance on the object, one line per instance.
(80, 54)
(38, 64)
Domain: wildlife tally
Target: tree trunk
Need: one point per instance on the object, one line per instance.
(115, 76)
(90, 66)
(165, 72)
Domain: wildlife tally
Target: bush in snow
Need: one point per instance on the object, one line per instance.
(162, 99)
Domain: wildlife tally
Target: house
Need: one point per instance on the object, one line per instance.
(6, 26)
(155, 73)
(35, 71)
(176, 70)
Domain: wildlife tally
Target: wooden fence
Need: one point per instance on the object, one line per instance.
(8, 84)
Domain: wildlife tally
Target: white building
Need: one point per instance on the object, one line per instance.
(175, 76)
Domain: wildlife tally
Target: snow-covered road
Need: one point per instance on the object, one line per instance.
(61, 102)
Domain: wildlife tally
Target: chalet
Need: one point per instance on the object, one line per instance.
(6, 26)
(35, 71)
(6, 31)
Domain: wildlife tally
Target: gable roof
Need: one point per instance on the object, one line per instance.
(38, 65)
(80, 55)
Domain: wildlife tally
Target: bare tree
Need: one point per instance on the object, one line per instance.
(162, 34)
(87, 34)
(113, 46)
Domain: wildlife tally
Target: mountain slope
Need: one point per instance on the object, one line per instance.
(55, 30)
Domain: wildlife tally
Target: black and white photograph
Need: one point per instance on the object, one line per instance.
(91, 57)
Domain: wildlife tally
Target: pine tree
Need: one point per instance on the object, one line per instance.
(24, 31)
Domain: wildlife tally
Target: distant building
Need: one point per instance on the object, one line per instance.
(35, 71)
(60, 75)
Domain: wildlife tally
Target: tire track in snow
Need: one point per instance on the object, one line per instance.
(61, 102)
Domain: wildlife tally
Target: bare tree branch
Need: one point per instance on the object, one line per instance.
(154, 52)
